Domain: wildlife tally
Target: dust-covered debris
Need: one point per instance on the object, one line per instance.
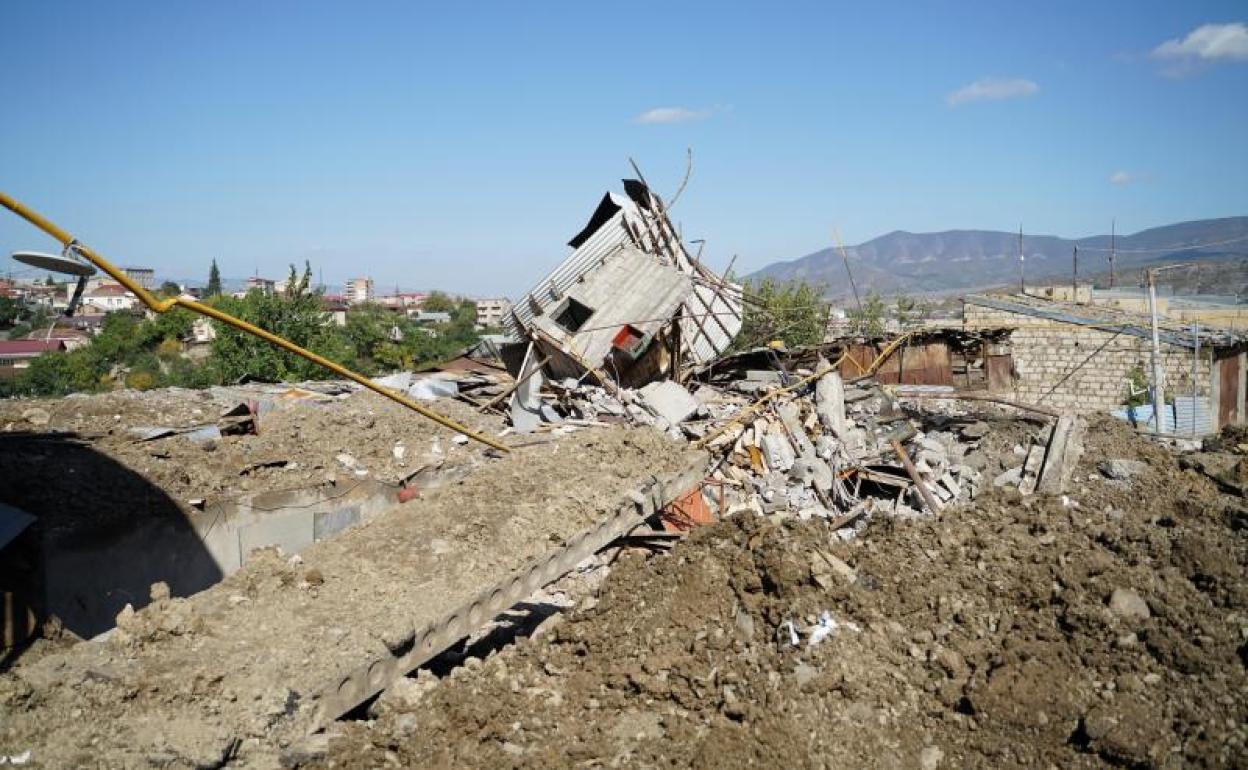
(1008, 631)
(234, 670)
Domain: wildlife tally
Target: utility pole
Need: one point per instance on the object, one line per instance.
(1022, 264)
(1113, 249)
(845, 259)
(1159, 398)
(1195, 366)
(1075, 275)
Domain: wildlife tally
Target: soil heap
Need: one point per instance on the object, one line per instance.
(1107, 627)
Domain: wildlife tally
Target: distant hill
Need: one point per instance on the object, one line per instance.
(970, 259)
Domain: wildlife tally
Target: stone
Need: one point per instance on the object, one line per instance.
(825, 446)
(159, 591)
(804, 673)
(930, 757)
(1120, 469)
(975, 430)
(823, 564)
(638, 726)
(814, 472)
(1013, 477)
(668, 400)
(403, 694)
(777, 450)
(744, 622)
(405, 724)
(788, 414)
(37, 416)
(1128, 605)
(975, 459)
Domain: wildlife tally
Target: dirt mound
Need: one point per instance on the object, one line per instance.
(306, 439)
(1107, 627)
(234, 671)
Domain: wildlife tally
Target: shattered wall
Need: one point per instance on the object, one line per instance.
(1080, 368)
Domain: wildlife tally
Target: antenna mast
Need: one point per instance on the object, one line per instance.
(1113, 249)
(1022, 264)
(1075, 275)
(845, 258)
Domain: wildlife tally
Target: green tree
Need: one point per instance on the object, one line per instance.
(368, 328)
(49, 281)
(38, 318)
(169, 289)
(296, 315)
(793, 312)
(910, 312)
(214, 281)
(9, 311)
(438, 302)
(868, 320)
(57, 374)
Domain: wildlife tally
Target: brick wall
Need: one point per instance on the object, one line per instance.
(1075, 367)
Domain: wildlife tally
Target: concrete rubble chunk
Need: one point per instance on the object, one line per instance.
(825, 446)
(1128, 605)
(36, 416)
(1120, 469)
(1065, 447)
(813, 472)
(668, 400)
(777, 450)
(1011, 478)
(830, 401)
(975, 430)
(789, 417)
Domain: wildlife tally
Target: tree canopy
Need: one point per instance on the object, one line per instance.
(793, 312)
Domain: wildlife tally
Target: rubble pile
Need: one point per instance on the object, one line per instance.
(1018, 631)
(808, 444)
(837, 452)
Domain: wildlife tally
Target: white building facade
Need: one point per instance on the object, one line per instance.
(359, 290)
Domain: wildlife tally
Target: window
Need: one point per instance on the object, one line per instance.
(573, 315)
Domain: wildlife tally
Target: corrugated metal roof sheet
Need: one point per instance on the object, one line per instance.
(1063, 314)
(714, 314)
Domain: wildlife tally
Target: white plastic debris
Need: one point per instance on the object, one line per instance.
(16, 759)
(433, 388)
(827, 626)
(459, 438)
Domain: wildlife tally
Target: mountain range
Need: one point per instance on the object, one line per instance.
(973, 259)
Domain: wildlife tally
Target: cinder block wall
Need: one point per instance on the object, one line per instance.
(1079, 368)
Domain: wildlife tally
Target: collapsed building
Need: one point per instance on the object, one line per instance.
(628, 306)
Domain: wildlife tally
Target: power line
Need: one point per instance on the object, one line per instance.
(1176, 247)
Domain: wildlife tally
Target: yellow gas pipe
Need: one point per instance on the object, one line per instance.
(165, 305)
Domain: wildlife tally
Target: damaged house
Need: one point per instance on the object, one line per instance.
(1081, 358)
(629, 306)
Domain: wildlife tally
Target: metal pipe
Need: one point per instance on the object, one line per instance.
(165, 305)
(1159, 395)
(1195, 372)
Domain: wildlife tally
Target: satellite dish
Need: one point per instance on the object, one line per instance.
(57, 263)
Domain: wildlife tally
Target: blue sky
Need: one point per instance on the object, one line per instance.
(460, 145)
